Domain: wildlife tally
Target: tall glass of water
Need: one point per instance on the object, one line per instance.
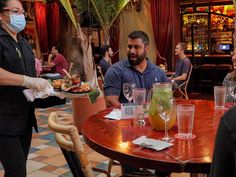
(127, 90)
(139, 98)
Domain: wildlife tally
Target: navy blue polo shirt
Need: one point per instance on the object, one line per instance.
(182, 66)
(104, 65)
(122, 72)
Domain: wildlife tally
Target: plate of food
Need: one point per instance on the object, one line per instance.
(81, 88)
(71, 85)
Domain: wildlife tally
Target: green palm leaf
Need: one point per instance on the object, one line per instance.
(105, 11)
(66, 4)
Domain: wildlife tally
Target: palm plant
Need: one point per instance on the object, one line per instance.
(104, 11)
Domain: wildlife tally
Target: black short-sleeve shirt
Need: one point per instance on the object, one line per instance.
(15, 111)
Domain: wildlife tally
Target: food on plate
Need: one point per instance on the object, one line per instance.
(67, 86)
(57, 83)
(75, 78)
(73, 84)
(84, 87)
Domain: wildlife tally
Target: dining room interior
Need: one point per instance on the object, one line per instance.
(80, 28)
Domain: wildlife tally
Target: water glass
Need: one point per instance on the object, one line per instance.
(185, 119)
(139, 96)
(219, 97)
(127, 90)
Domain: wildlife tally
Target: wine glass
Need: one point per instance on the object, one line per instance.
(166, 109)
(127, 90)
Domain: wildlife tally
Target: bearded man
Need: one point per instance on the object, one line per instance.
(106, 53)
(136, 69)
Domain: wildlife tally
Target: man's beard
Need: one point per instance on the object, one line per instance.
(138, 60)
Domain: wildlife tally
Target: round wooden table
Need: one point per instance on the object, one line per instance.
(113, 138)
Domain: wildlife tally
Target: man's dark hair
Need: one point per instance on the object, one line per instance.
(57, 48)
(104, 49)
(140, 34)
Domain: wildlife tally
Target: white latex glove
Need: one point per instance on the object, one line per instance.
(36, 83)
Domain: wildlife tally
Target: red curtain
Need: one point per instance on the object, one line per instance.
(114, 40)
(53, 24)
(41, 23)
(165, 20)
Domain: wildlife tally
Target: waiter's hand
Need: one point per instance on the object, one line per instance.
(36, 83)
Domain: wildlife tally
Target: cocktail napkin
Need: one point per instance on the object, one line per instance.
(114, 114)
(151, 143)
(32, 94)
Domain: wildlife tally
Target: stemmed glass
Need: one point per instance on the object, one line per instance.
(166, 109)
(127, 90)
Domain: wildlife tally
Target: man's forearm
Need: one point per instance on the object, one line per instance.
(50, 64)
(112, 101)
(180, 78)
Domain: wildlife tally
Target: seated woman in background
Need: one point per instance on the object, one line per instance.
(230, 81)
(38, 64)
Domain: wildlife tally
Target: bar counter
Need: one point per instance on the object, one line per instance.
(210, 59)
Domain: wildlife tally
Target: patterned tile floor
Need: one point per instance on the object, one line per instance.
(45, 158)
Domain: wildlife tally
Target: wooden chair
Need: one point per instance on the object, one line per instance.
(184, 86)
(163, 59)
(68, 139)
(99, 69)
(100, 81)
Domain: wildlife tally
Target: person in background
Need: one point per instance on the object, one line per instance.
(17, 72)
(182, 67)
(38, 64)
(106, 53)
(137, 68)
(57, 60)
(230, 80)
(224, 156)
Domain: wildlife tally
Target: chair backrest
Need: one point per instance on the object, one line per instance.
(189, 75)
(73, 161)
(99, 69)
(162, 58)
(75, 145)
(183, 87)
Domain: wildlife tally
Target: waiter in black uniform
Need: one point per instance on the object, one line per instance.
(17, 72)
